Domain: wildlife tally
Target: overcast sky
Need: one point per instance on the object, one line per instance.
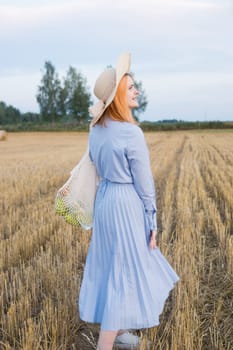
(182, 50)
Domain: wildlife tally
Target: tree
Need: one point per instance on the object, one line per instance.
(9, 114)
(13, 115)
(2, 112)
(76, 97)
(61, 104)
(30, 117)
(48, 93)
(142, 100)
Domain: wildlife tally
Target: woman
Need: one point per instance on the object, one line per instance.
(126, 278)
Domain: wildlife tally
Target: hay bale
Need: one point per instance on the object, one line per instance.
(3, 135)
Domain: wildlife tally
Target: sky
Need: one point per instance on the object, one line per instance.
(181, 50)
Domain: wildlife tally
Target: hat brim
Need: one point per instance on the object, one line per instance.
(122, 67)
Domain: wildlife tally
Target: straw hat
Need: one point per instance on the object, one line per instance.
(106, 86)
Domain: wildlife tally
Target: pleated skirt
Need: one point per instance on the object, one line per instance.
(125, 284)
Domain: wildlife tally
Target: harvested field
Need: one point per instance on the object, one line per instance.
(42, 257)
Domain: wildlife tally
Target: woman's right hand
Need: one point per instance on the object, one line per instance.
(153, 242)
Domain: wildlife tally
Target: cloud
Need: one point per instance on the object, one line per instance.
(19, 17)
(14, 17)
(190, 96)
(20, 90)
(179, 47)
(165, 33)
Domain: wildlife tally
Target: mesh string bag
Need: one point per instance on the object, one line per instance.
(75, 199)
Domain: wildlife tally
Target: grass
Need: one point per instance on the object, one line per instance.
(42, 257)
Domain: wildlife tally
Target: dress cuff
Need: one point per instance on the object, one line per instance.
(152, 219)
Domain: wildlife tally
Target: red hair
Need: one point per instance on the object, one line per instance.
(118, 108)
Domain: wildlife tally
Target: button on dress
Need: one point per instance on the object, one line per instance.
(125, 283)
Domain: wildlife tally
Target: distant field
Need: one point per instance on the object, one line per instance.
(42, 257)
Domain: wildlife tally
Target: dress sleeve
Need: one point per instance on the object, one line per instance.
(139, 163)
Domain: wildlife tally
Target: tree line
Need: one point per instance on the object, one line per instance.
(61, 100)
(64, 103)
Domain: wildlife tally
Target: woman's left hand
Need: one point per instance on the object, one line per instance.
(153, 242)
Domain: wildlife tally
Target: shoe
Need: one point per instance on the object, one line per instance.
(127, 340)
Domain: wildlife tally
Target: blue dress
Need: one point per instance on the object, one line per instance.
(125, 283)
